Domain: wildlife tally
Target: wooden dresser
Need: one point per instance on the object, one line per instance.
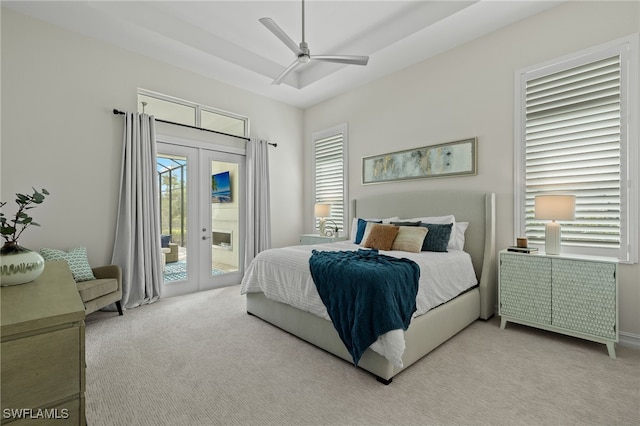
(42, 350)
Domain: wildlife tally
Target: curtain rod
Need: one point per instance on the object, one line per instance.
(116, 112)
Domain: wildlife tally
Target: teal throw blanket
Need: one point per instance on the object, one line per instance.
(366, 294)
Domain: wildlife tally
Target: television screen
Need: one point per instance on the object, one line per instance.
(221, 188)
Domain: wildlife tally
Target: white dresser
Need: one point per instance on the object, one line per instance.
(573, 295)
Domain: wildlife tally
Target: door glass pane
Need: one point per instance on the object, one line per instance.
(225, 218)
(172, 179)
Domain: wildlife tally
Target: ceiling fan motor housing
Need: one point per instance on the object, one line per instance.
(304, 56)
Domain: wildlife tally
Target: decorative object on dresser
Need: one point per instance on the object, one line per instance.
(576, 296)
(554, 207)
(523, 249)
(43, 359)
(18, 264)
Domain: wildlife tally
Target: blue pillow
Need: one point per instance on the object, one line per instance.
(362, 225)
(165, 240)
(437, 238)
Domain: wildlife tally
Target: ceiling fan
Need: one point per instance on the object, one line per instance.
(303, 55)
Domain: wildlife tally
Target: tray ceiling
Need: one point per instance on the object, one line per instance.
(223, 40)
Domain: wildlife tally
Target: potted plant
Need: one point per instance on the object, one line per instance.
(19, 265)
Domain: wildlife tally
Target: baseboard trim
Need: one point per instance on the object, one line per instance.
(629, 340)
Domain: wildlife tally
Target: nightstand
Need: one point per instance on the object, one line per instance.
(572, 295)
(306, 239)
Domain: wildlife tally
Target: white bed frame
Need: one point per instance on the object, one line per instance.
(427, 331)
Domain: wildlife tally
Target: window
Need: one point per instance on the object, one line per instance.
(179, 111)
(576, 133)
(330, 173)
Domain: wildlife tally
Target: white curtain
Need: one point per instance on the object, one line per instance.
(137, 243)
(258, 224)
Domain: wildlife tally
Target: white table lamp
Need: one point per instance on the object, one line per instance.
(322, 212)
(554, 207)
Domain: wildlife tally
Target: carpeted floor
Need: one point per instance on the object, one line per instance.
(201, 360)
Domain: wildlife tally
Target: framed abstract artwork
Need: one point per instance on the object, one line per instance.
(449, 159)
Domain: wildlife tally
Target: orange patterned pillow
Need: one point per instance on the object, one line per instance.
(381, 237)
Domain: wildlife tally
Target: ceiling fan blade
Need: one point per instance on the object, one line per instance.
(278, 32)
(342, 59)
(284, 73)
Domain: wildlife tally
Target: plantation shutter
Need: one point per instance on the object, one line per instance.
(573, 146)
(329, 176)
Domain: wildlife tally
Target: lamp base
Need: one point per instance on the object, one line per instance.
(552, 237)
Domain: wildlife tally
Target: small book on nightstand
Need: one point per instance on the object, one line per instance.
(523, 249)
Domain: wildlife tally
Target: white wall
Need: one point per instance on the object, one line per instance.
(58, 131)
(468, 92)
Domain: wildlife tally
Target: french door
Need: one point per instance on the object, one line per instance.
(202, 217)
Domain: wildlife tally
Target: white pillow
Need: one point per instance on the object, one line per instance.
(433, 219)
(459, 229)
(354, 225)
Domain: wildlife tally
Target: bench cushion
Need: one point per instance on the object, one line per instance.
(93, 289)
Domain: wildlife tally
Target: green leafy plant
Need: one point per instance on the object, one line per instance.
(12, 228)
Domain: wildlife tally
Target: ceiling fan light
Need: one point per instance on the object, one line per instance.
(304, 59)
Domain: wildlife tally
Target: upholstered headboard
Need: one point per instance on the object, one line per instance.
(477, 208)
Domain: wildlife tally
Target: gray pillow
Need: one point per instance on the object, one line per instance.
(406, 223)
(437, 238)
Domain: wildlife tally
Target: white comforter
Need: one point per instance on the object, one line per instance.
(283, 275)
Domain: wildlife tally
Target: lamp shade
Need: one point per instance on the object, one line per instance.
(322, 210)
(555, 207)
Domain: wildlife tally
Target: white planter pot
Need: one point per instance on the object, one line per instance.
(19, 265)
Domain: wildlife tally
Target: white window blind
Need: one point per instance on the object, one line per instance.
(576, 132)
(330, 174)
(572, 137)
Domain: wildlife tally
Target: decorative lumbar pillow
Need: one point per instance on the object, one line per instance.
(437, 238)
(76, 258)
(381, 237)
(410, 238)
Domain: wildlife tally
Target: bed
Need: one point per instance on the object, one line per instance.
(428, 330)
